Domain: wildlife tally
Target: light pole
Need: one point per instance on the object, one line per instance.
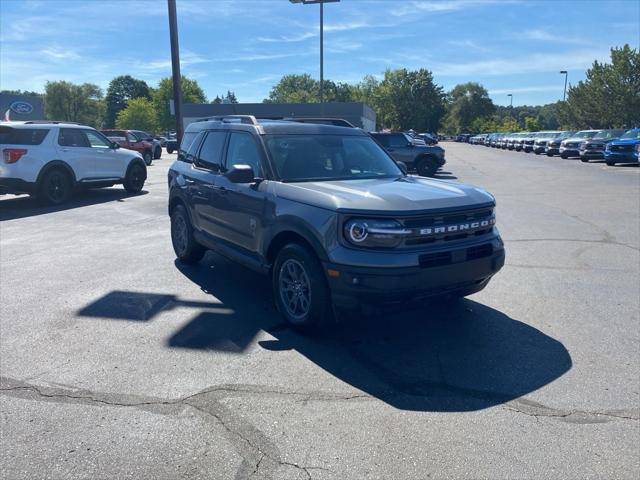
(566, 74)
(175, 68)
(510, 95)
(321, 2)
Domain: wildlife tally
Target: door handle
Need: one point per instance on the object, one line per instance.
(65, 149)
(188, 181)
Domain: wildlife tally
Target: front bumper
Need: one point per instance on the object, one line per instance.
(468, 271)
(539, 148)
(569, 151)
(16, 186)
(621, 157)
(591, 153)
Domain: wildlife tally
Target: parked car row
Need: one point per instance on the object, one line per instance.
(614, 145)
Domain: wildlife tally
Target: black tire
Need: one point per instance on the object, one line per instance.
(169, 150)
(289, 290)
(584, 160)
(563, 156)
(134, 179)
(147, 157)
(611, 163)
(549, 154)
(427, 167)
(55, 187)
(186, 248)
(157, 153)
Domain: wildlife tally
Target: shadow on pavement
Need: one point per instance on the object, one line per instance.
(442, 175)
(24, 206)
(463, 356)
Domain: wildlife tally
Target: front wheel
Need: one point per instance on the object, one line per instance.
(584, 160)
(563, 156)
(169, 150)
(611, 163)
(426, 167)
(134, 180)
(184, 244)
(300, 288)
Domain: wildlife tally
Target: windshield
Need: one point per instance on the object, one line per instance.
(328, 157)
(634, 134)
(566, 134)
(607, 134)
(585, 134)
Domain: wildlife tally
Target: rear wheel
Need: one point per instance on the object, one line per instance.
(300, 288)
(427, 167)
(147, 157)
(55, 187)
(584, 160)
(169, 150)
(184, 244)
(157, 153)
(611, 163)
(134, 180)
(564, 156)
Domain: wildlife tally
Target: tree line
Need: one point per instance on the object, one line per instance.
(402, 99)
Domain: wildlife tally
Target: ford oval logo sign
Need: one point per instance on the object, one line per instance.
(21, 107)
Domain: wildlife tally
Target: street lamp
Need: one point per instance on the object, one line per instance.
(321, 2)
(566, 74)
(510, 95)
(175, 68)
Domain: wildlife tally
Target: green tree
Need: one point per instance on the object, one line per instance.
(295, 89)
(73, 103)
(467, 102)
(484, 125)
(609, 97)
(509, 124)
(139, 115)
(230, 97)
(22, 92)
(191, 93)
(121, 90)
(531, 124)
(408, 99)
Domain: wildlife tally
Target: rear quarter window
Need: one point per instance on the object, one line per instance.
(22, 136)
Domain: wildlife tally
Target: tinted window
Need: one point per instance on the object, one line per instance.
(115, 133)
(398, 140)
(382, 140)
(210, 156)
(22, 136)
(190, 154)
(187, 140)
(72, 137)
(132, 138)
(243, 150)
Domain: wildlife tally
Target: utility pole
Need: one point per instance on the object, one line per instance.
(566, 74)
(321, 52)
(175, 68)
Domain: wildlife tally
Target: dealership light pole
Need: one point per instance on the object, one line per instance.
(510, 95)
(566, 74)
(175, 68)
(321, 2)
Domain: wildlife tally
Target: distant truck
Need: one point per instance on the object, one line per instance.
(625, 150)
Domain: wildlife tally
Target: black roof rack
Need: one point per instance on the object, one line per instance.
(248, 119)
(338, 122)
(55, 122)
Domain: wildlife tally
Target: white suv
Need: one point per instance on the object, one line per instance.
(50, 159)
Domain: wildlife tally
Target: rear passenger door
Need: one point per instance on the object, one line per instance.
(238, 207)
(73, 148)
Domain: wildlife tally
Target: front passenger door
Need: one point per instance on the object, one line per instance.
(74, 149)
(239, 208)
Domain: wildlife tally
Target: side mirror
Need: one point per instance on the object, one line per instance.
(403, 167)
(240, 174)
(115, 145)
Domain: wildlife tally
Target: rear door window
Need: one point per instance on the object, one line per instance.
(398, 140)
(72, 137)
(22, 136)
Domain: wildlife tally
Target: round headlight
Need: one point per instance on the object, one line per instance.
(358, 232)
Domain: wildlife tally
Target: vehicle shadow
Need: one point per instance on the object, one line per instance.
(458, 357)
(463, 356)
(442, 175)
(25, 206)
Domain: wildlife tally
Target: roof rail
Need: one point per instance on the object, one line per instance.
(338, 122)
(55, 122)
(248, 119)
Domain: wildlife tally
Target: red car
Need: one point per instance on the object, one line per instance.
(127, 139)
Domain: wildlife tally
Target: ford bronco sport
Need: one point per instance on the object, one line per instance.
(329, 215)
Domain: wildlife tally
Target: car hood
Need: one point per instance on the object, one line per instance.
(626, 141)
(394, 195)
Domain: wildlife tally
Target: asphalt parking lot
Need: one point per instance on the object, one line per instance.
(116, 362)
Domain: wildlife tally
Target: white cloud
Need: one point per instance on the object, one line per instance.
(288, 39)
(440, 6)
(545, 36)
(468, 44)
(533, 89)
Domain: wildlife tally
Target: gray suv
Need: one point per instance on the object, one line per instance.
(329, 215)
(415, 154)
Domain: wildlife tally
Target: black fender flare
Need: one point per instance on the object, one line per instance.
(56, 164)
(299, 228)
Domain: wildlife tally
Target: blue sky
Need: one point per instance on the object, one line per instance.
(509, 46)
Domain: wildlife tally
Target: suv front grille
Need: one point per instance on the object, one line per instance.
(432, 229)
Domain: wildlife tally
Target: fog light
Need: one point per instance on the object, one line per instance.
(355, 280)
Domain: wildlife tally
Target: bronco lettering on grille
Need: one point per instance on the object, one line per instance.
(458, 227)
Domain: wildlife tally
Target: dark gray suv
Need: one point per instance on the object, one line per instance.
(415, 154)
(328, 215)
